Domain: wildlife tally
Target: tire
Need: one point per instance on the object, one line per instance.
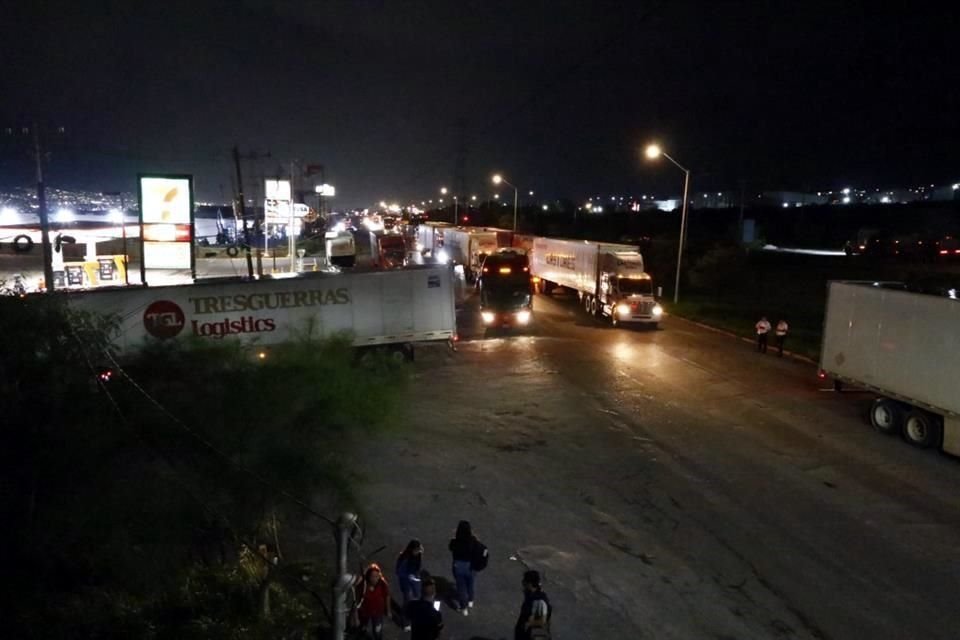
(22, 243)
(233, 251)
(586, 303)
(886, 416)
(594, 307)
(921, 429)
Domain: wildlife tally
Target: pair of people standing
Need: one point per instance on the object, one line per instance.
(763, 329)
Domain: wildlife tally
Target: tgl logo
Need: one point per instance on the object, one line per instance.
(163, 319)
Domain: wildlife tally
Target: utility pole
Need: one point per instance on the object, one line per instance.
(241, 202)
(42, 210)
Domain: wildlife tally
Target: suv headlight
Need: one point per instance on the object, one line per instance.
(523, 317)
(488, 317)
(657, 311)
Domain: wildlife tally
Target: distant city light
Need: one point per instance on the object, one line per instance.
(443, 190)
(7, 214)
(116, 215)
(496, 196)
(545, 207)
(474, 198)
(531, 193)
(598, 209)
(383, 204)
(885, 199)
(65, 215)
(846, 199)
(846, 191)
(956, 185)
(786, 204)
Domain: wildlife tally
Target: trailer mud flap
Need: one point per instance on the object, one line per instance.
(951, 435)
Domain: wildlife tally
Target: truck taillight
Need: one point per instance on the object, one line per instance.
(822, 374)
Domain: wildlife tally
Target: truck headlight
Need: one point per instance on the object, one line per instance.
(657, 311)
(488, 317)
(442, 257)
(523, 317)
(623, 309)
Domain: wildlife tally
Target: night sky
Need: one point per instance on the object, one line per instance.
(560, 96)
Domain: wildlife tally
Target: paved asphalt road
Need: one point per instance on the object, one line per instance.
(670, 483)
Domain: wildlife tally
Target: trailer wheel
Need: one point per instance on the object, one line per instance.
(886, 416)
(921, 429)
(594, 309)
(586, 303)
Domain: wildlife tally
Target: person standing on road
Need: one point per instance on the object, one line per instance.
(763, 328)
(469, 556)
(426, 622)
(373, 601)
(408, 574)
(533, 623)
(781, 331)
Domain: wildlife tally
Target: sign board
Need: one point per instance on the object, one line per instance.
(327, 190)
(167, 222)
(277, 199)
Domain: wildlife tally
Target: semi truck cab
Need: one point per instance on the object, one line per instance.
(625, 291)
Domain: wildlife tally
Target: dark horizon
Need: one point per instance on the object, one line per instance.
(560, 97)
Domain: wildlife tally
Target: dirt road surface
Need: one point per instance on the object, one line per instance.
(670, 484)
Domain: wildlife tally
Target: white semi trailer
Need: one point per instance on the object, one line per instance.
(399, 308)
(608, 278)
(903, 346)
(468, 246)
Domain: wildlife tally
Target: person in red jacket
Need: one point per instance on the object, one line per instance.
(373, 601)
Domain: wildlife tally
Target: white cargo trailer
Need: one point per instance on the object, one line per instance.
(376, 308)
(430, 238)
(340, 248)
(468, 246)
(902, 346)
(608, 278)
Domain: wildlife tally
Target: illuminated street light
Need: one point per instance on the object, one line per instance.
(496, 196)
(497, 179)
(545, 207)
(653, 152)
(474, 198)
(443, 190)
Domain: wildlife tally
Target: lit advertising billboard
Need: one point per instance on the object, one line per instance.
(277, 198)
(166, 222)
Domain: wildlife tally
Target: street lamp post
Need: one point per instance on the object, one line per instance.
(653, 152)
(456, 203)
(497, 179)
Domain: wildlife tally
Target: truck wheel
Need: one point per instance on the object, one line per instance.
(594, 309)
(586, 303)
(921, 429)
(886, 416)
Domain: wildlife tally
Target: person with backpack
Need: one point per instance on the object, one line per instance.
(533, 622)
(469, 556)
(426, 622)
(373, 601)
(408, 573)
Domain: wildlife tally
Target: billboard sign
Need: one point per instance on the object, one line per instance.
(277, 198)
(166, 222)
